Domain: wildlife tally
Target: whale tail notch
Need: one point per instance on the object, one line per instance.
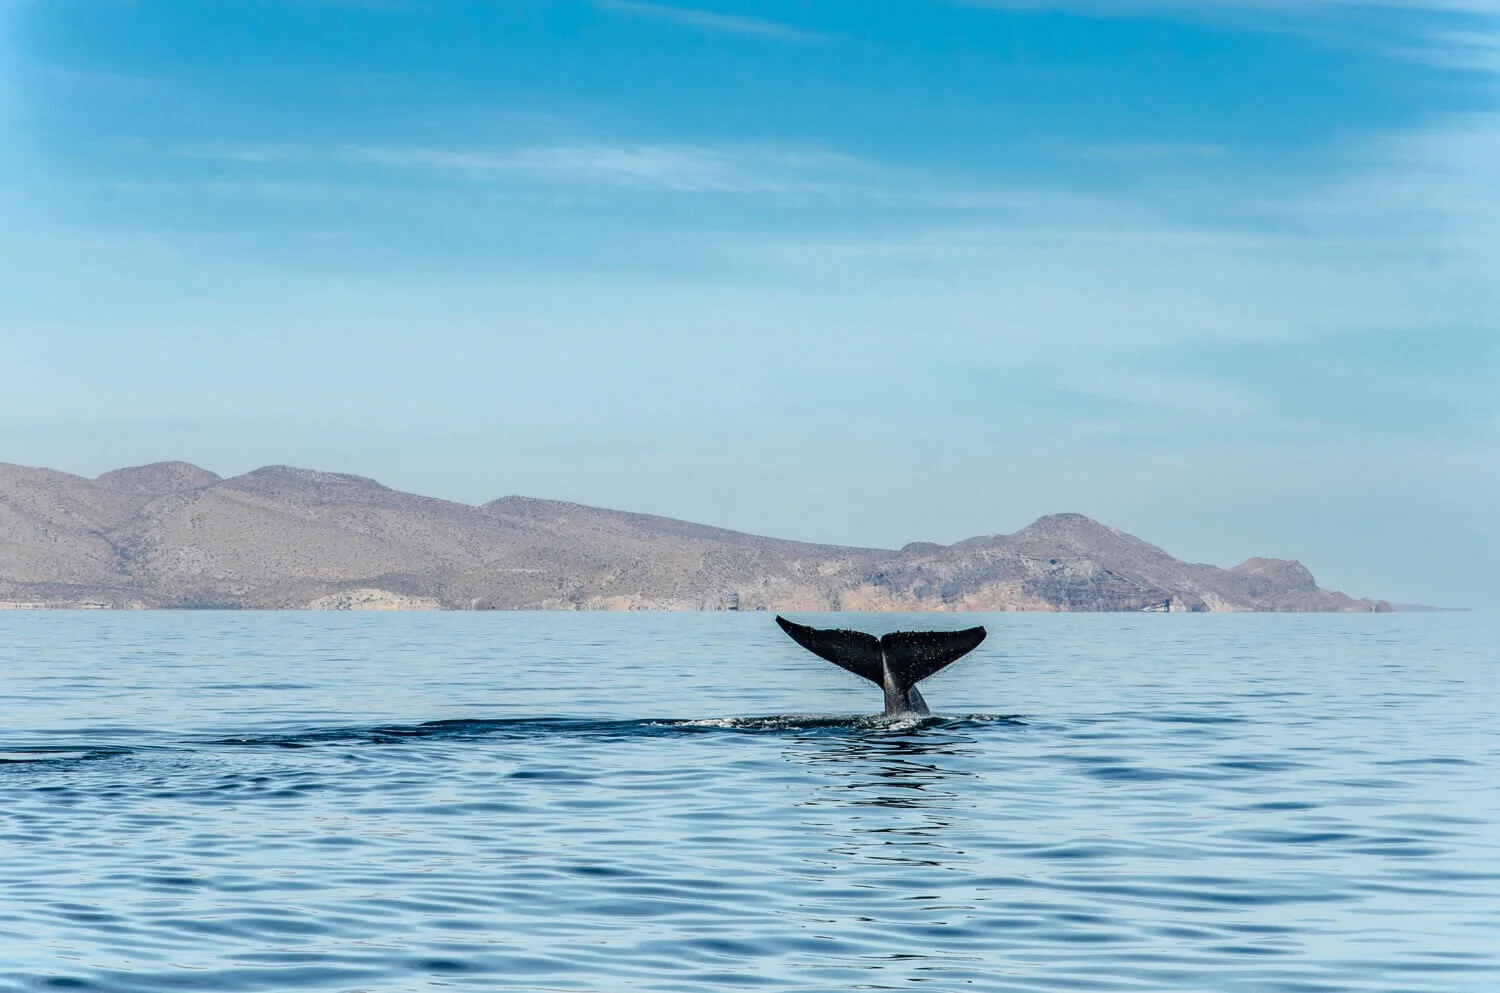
(896, 662)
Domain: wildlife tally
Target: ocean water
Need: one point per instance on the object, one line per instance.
(396, 802)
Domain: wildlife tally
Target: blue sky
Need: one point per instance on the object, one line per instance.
(1224, 273)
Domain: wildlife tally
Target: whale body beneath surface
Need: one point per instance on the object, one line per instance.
(895, 662)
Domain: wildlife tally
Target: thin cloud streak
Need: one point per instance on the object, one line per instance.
(706, 20)
(682, 168)
(1408, 242)
(1456, 34)
(679, 167)
(1129, 7)
(1476, 51)
(785, 172)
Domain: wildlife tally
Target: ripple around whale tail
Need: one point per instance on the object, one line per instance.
(874, 729)
(842, 723)
(799, 725)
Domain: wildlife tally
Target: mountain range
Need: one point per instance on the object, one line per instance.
(174, 535)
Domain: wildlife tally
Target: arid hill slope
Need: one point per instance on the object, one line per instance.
(174, 535)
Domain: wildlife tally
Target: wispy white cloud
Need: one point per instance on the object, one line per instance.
(1436, 190)
(706, 20)
(1478, 51)
(1127, 7)
(1410, 239)
(671, 167)
(686, 167)
(1409, 243)
(792, 173)
(1460, 34)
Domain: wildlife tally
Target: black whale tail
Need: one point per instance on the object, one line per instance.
(895, 662)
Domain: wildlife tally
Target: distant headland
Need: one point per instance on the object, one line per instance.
(172, 535)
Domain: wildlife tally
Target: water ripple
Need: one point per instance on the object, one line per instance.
(288, 803)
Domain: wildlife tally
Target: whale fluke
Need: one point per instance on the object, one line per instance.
(895, 662)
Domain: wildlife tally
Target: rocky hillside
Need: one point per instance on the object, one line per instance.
(174, 535)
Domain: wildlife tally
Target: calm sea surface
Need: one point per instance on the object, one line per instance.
(306, 802)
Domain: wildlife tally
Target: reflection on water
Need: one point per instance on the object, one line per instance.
(291, 802)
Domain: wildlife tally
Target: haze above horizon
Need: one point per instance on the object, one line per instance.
(1221, 273)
